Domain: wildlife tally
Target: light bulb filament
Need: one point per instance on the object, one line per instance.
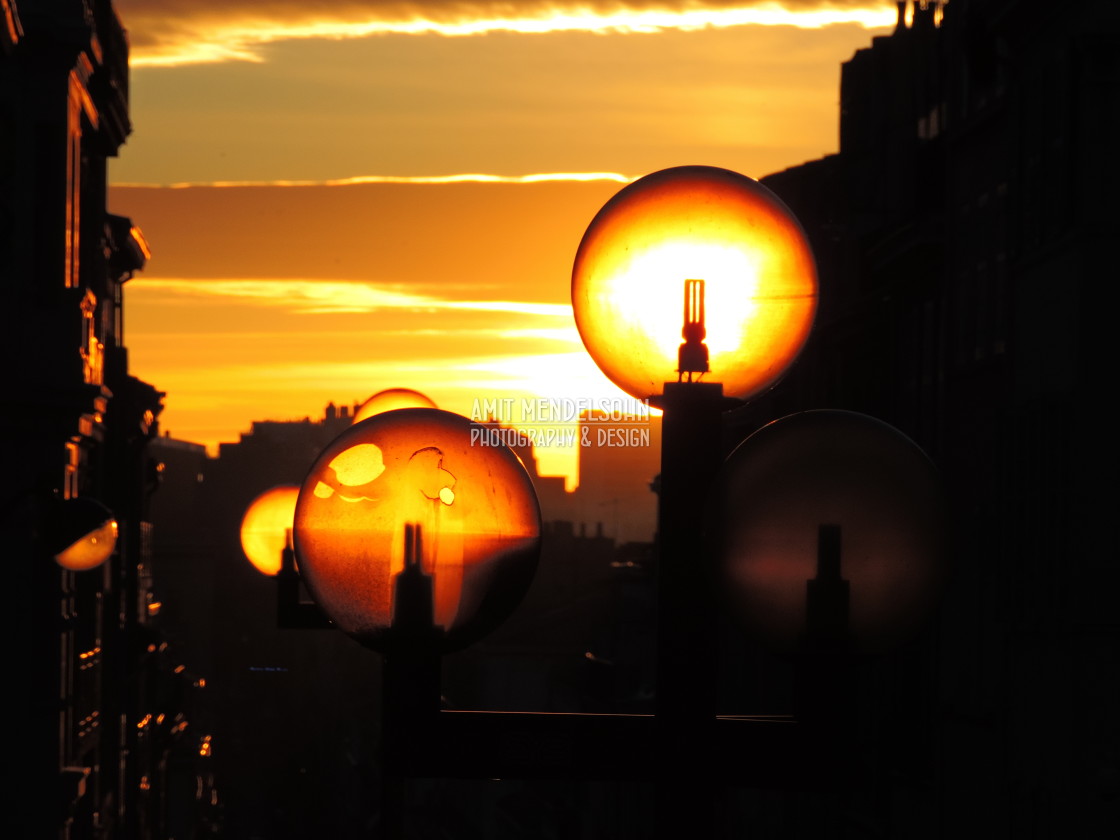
(692, 357)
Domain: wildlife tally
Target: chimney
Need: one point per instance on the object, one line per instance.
(923, 15)
(901, 25)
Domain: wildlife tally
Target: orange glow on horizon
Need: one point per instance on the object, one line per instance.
(465, 300)
(237, 36)
(220, 392)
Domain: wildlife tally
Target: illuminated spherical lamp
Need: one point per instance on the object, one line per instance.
(416, 528)
(390, 400)
(694, 271)
(265, 527)
(82, 534)
(832, 531)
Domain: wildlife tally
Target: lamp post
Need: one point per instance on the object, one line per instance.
(417, 532)
(266, 542)
(831, 532)
(749, 296)
(749, 288)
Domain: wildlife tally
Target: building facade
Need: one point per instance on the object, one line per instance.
(962, 234)
(106, 704)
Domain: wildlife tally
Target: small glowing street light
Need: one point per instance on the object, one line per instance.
(390, 400)
(83, 534)
(266, 525)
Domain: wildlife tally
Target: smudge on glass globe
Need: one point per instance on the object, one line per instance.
(417, 528)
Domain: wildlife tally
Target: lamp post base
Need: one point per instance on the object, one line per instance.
(692, 452)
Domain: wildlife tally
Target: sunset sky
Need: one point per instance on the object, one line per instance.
(343, 197)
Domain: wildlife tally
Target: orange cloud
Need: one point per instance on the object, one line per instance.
(466, 178)
(175, 32)
(319, 296)
(455, 241)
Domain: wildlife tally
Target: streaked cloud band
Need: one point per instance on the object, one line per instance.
(315, 296)
(174, 32)
(463, 178)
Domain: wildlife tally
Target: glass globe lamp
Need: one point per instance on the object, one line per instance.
(415, 530)
(832, 533)
(390, 400)
(265, 527)
(82, 534)
(694, 273)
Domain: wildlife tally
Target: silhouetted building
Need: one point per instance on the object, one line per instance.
(618, 458)
(107, 706)
(557, 505)
(295, 721)
(181, 548)
(581, 640)
(963, 233)
(200, 571)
